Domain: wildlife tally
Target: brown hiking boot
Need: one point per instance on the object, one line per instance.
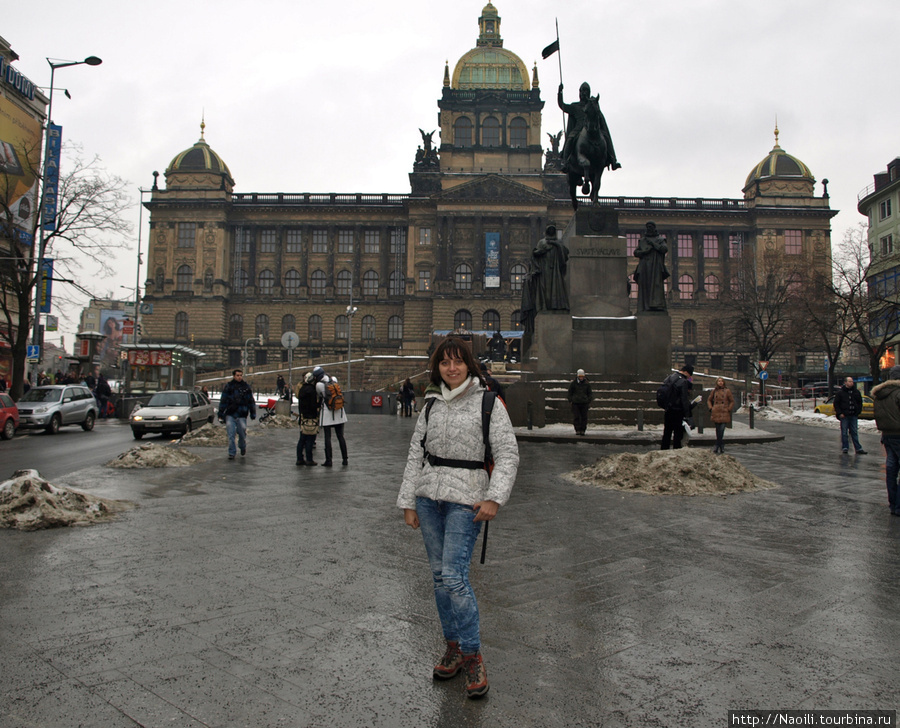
(451, 663)
(476, 675)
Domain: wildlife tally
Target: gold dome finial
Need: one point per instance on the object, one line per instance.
(202, 126)
(776, 132)
(535, 83)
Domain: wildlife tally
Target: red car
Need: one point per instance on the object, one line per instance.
(9, 417)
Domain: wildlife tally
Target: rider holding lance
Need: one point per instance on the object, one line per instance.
(577, 122)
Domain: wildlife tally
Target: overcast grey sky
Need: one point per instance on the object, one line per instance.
(329, 97)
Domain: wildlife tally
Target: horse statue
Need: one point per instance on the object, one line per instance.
(590, 156)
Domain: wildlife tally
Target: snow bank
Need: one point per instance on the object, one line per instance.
(154, 456)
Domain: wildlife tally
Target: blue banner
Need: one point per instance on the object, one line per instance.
(46, 287)
(51, 177)
(492, 260)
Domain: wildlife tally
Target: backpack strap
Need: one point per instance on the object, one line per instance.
(487, 406)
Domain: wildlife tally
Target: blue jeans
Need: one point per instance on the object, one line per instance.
(236, 425)
(849, 423)
(892, 470)
(450, 532)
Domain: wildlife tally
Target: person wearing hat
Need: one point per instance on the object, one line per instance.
(308, 403)
(679, 407)
(887, 419)
(330, 419)
(580, 397)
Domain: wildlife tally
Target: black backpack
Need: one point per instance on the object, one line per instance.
(665, 392)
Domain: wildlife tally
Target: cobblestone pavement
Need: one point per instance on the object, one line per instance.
(255, 593)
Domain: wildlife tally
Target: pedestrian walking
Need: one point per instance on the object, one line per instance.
(333, 415)
(887, 419)
(580, 397)
(308, 403)
(847, 406)
(492, 384)
(235, 404)
(407, 397)
(104, 392)
(447, 492)
(678, 407)
(280, 386)
(720, 404)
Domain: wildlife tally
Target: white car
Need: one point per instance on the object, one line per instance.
(171, 411)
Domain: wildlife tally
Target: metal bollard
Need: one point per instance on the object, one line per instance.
(699, 420)
(529, 415)
(640, 420)
(751, 415)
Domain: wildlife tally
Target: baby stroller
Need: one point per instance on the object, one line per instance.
(268, 410)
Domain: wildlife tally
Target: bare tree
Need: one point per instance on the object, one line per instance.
(827, 315)
(89, 227)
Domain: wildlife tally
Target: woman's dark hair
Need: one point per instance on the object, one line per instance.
(456, 348)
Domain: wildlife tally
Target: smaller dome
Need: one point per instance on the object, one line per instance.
(778, 163)
(489, 10)
(199, 158)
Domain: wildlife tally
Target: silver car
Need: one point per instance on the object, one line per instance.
(171, 411)
(53, 406)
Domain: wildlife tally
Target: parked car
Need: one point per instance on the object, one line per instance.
(171, 411)
(868, 408)
(56, 405)
(816, 389)
(9, 417)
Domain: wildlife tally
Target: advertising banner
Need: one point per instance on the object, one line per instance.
(47, 285)
(492, 260)
(112, 323)
(20, 161)
(51, 177)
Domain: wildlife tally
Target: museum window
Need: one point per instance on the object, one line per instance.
(242, 240)
(425, 236)
(317, 283)
(398, 241)
(262, 326)
(711, 284)
(319, 240)
(367, 329)
(463, 277)
(462, 319)
(631, 243)
(685, 246)
(490, 132)
(716, 361)
(743, 364)
(184, 278)
(345, 241)
(516, 322)
(268, 240)
(343, 283)
(260, 357)
(424, 280)
(187, 234)
(160, 282)
(236, 327)
(710, 246)
(288, 323)
(794, 285)
(372, 240)
(341, 328)
(241, 281)
(234, 359)
(887, 244)
(294, 241)
(716, 334)
(395, 328)
(314, 327)
(689, 332)
(517, 277)
(685, 287)
(396, 284)
(266, 283)
(370, 283)
(462, 132)
(735, 245)
(292, 282)
(181, 325)
(518, 132)
(793, 242)
(490, 321)
(885, 209)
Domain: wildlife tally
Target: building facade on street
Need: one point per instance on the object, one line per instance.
(452, 252)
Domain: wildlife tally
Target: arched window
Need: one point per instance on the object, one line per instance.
(368, 329)
(315, 327)
(395, 328)
(262, 326)
(463, 277)
(181, 325)
(240, 281)
(685, 287)
(518, 132)
(184, 278)
(370, 283)
(490, 132)
(462, 319)
(490, 320)
(794, 284)
(396, 283)
(462, 132)
(288, 323)
(343, 283)
(317, 283)
(517, 277)
(292, 283)
(689, 331)
(266, 282)
(236, 327)
(716, 333)
(711, 284)
(341, 328)
(515, 321)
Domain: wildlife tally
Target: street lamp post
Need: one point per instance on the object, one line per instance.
(39, 273)
(259, 339)
(351, 310)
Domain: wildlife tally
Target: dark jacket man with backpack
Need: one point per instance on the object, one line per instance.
(887, 418)
(678, 407)
(334, 415)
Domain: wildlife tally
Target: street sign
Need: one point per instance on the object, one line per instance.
(826, 365)
(763, 365)
(290, 339)
(764, 375)
(377, 400)
(33, 352)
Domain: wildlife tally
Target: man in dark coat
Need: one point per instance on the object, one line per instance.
(887, 419)
(679, 407)
(492, 384)
(236, 403)
(580, 397)
(847, 406)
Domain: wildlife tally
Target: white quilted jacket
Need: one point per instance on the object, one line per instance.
(454, 432)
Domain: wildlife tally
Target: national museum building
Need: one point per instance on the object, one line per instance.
(452, 253)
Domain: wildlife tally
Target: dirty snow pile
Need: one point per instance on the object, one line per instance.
(154, 456)
(283, 421)
(206, 436)
(780, 412)
(28, 503)
(686, 471)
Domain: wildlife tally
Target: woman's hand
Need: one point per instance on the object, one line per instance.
(411, 517)
(485, 510)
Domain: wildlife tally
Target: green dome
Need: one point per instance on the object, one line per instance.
(488, 67)
(199, 158)
(778, 163)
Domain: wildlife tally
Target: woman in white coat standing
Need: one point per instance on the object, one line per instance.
(448, 494)
(331, 419)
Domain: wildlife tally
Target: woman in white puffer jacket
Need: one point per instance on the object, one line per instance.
(449, 495)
